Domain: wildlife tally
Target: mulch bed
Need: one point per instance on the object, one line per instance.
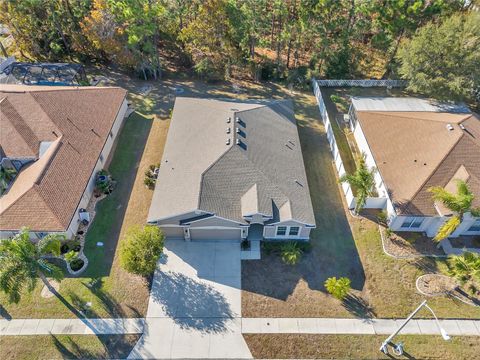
(410, 244)
(442, 285)
(436, 284)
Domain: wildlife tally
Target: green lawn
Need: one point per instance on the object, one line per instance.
(304, 346)
(107, 223)
(67, 347)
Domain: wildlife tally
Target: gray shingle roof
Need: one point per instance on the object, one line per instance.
(268, 157)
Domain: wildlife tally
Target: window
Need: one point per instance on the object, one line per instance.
(294, 230)
(40, 235)
(475, 226)
(286, 231)
(412, 222)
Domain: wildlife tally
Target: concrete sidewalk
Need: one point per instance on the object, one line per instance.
(356, 326)
(71, 326)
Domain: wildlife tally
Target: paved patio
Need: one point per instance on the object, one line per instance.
(195, 307)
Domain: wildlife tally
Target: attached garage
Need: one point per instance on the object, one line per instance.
(172, 232)
(215, 234)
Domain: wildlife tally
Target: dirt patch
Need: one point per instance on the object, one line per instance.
(409, 244)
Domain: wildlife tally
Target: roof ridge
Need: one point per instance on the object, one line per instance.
(29, 88)
(395, 114)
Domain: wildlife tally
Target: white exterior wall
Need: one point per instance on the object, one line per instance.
(102, 160)
(270, 231)
(431, 224)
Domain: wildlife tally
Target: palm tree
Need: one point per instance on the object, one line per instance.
(465, 267)
(362, 180)
(22, 262)
(459, 203)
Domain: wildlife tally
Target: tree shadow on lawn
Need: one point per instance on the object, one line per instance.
(114, 347)
(192, 304)
(334, 251)
(358, 307)
(108, 221)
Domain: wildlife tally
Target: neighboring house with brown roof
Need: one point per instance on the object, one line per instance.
(416, 144)
(232, 170)
(56, 139)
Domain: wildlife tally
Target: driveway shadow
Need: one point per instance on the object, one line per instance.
(190, 303)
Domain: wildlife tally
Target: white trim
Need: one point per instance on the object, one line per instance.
(175, 215)
(215, 228)
(170, 225)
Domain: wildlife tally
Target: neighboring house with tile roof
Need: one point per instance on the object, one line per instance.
(232, 170)
(416, 144)
(56, 139)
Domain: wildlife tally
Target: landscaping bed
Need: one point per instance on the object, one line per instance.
(409, 244)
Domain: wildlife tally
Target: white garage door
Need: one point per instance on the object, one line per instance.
(214, 234)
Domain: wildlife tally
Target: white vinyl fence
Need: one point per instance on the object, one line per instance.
(361, 83)
(372, 202)
(347, 190)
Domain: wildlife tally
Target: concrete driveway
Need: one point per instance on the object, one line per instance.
(195, 304)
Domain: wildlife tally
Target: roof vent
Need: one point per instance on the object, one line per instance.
(237, 119)
(238, 142)
(449, 127)
(228, 130)
(228, 142)
(229, 120)
(238, 130)
(298, 182)
(462, 126)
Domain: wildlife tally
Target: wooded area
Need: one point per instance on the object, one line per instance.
(217, 39)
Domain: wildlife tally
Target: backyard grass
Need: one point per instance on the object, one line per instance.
(308, 346)
(66, 347)
(341, 246)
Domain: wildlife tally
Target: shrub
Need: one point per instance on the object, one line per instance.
(141, 249)
(388, 233)
(338, 288)
(149, 182)
(291, 253)
(382, 217)
(70, 256)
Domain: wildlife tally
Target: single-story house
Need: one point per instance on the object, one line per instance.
(416, 144)
(232, 170)
(55, 139)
